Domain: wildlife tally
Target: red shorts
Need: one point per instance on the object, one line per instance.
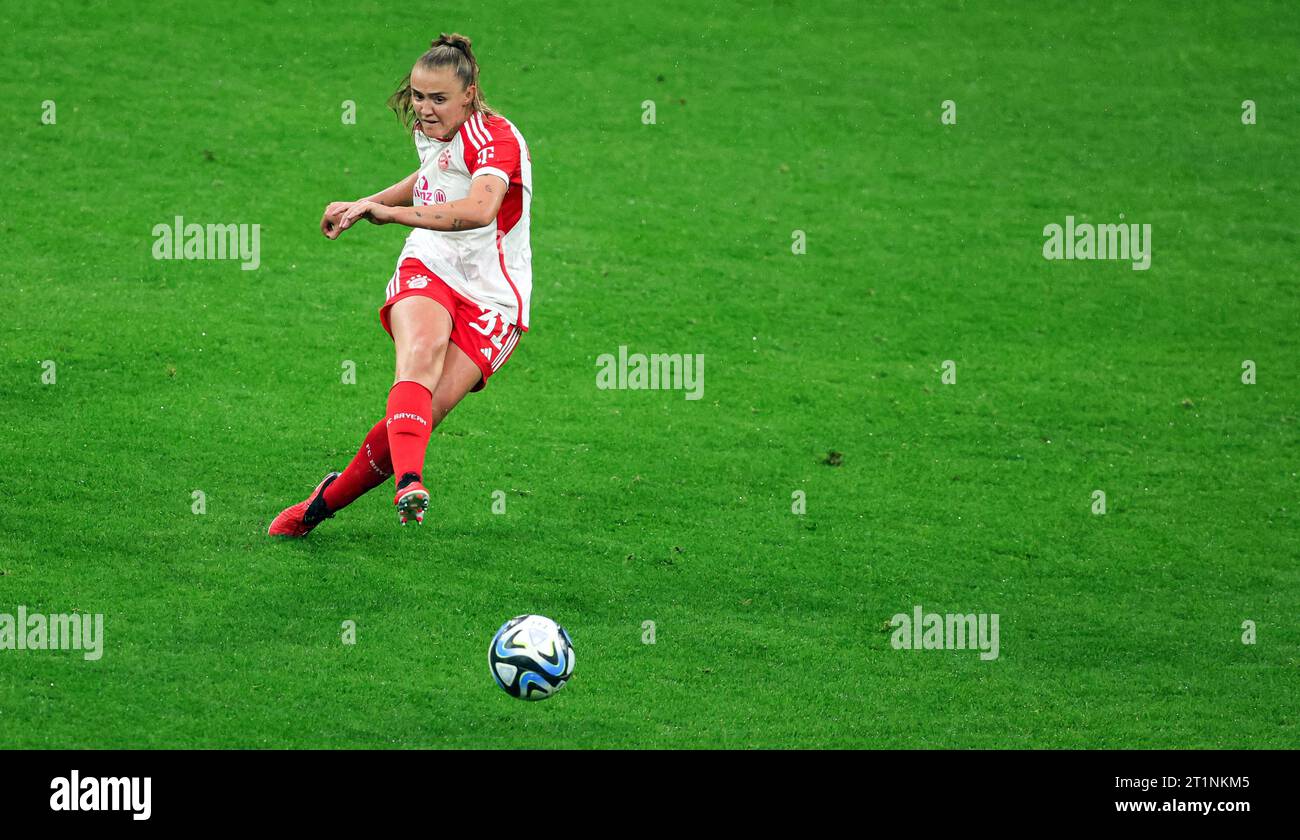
(482, 333)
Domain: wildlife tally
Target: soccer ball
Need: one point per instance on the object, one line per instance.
(531, 657)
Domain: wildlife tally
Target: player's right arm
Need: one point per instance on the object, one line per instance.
(398, 195)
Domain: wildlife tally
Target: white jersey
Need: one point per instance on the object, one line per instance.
(491, 265)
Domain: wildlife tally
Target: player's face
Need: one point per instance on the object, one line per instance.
(440, 103)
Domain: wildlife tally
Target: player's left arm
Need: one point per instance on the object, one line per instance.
(476, 210)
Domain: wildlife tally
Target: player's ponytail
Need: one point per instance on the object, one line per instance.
(447, 50)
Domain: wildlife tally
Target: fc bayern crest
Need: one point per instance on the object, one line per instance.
(444, 159)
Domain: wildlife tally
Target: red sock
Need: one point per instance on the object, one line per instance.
(410, 419)
(370, 468)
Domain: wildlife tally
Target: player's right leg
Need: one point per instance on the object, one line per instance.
(372, 465)
(459, 376)
(421, 333)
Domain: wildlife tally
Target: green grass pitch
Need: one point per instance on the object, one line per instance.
(923, 245)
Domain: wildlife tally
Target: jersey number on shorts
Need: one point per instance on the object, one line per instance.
(489, 319)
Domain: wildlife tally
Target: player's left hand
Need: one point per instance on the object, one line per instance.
(379, 214)
(373, 212)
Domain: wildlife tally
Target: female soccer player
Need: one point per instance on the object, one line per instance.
(459, 299)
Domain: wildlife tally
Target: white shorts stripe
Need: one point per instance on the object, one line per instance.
(505, 351)
(504, 354)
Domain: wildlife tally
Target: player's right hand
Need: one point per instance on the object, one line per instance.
(329, 222)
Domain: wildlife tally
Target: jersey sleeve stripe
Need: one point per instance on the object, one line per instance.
(467, 139)
(472, 130)
(482, 128)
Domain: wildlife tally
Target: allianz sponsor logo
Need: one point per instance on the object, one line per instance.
(93, 793)
(55, 631)
(951, 631)
(653, 372)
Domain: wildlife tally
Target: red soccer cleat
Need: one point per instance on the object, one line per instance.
(298, 520)
(412, 500)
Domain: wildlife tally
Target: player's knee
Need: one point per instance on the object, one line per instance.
(421, 354)
(423, 372)
(436, 346)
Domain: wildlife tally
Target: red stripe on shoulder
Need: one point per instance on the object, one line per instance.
(498, 127)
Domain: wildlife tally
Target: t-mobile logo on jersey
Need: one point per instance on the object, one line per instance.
(658, 371)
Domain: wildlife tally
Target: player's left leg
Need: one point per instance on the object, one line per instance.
(372, 465)
(459, 376)
(298, 520)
